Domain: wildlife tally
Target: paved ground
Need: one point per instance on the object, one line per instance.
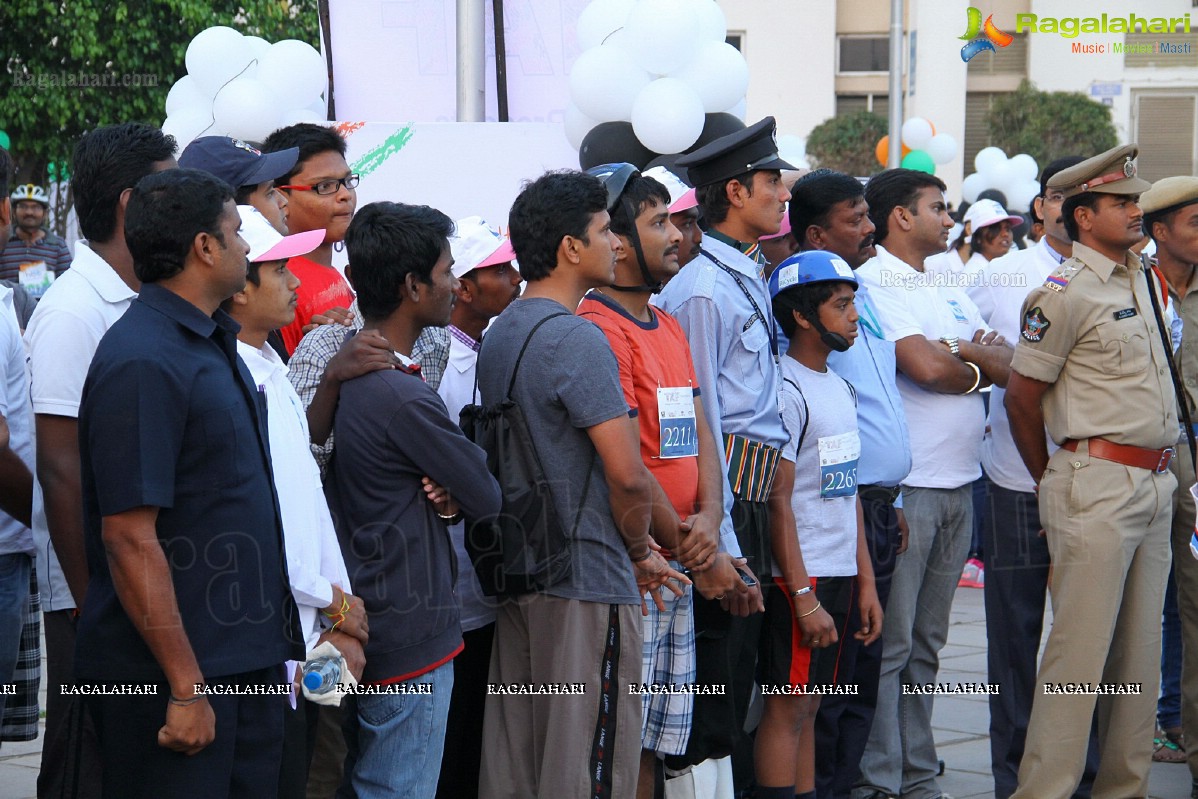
(961, 723)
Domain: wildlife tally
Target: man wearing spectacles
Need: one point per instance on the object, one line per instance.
(321, 196)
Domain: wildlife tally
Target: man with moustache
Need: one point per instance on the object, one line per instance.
(684, 212)
(1091, 364)
(944, 352)
(33, 257)
(722, 303)
(828, 212)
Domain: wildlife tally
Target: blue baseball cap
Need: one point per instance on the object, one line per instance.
(235, 162)
(808, 267)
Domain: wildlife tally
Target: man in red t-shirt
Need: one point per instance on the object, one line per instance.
(676, 444)
(321, 196)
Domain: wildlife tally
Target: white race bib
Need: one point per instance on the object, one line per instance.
(676, 419)
(838, 465)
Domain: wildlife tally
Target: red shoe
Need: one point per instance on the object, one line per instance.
(973, 576)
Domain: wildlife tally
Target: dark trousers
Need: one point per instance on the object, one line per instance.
(464, 727)
(299, 740)
(1016, 586)
(843, 722)
(726, 654)
(242, 762)
(70, 751)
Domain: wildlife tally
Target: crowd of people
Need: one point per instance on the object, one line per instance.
(665, 494)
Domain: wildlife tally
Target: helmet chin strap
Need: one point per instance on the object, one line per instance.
(650, 285)
(833, 341)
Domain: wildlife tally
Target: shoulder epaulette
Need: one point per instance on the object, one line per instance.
(1059, 279)
(704, 279)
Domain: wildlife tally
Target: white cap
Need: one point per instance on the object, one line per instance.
(682, 196)
(268, 244)
(988, 212)
(475, 244)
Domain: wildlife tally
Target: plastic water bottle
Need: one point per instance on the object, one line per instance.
(322, 674)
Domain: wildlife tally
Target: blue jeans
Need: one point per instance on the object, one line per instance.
(14, 593)
(401, 738)
(1168, 707)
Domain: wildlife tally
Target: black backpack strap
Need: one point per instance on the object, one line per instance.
(512, 383)
(1183, 404)
(806, 413)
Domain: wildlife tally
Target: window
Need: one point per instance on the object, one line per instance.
(864, 54)
(852, 103)
(977, 131)
(1165, 126)
(736, 39)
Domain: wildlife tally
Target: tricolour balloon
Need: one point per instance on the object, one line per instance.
(667, 116)
(294, 71)
(5, 142)
(605, 82)
(972, 186)
(919, 161)
(246, 109)
(599, 19)
(917, 133)
(719, 75)
(988, 158)
(216, 56)
(942, 148)
(664, 33)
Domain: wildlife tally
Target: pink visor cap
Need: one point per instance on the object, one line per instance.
(785, 226)
(475, 245)
(682, 196)
(268, 244)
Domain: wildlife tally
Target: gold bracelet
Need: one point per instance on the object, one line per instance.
(977, 377)
(818, 605)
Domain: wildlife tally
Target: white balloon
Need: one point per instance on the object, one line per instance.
(793, 150)
(188, 123)
(942, 148)
(664, 34)
(1002, 177)
(599, 19)
(295, 116)
(294, 72)
(216, 56)
(258, 46)
(1021, 196)
(246, 109)
(605, 82)
(988, 158)
(741, 109)
(1025, 167)
(578, 125)
(667, 116)
(713, 26)
(186, 93)
(320, 108)
(972, 186)
(718, 74)
(917, 133)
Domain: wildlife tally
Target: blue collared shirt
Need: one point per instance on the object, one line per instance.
(731, 347)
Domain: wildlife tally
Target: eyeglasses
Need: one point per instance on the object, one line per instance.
(330, 186)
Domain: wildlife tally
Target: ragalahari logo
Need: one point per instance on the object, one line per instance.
(982, 37)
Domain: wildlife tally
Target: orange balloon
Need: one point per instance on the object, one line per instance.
(906, 150)
(932, 126)
(882, 151)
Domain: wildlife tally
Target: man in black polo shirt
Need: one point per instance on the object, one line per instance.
(189, 585)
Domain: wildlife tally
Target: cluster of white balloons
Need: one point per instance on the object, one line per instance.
(793, 150)
(659, 64)
(244, 86)
(1018, 178)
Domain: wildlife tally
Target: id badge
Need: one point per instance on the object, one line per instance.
(676, 419)
(838, 465)
(35, 277)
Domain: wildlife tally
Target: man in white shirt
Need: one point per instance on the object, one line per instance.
(945, 352)
(488, 281)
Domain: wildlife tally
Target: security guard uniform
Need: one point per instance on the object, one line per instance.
(1105, 502)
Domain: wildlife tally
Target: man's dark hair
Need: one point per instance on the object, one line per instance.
(166, 211)
(813, 196)
(107, 161)
(310, 138)
(805, 299)
(388, 241)
(713, 197)
(638, 194)
(557, 204)
(1087, 199)
(892, 188)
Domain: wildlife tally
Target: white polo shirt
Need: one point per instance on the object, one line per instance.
(67, 325)
(14, 406)
(945, 429)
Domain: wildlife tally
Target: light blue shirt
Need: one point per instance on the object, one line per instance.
(734, 363)
(870, 366)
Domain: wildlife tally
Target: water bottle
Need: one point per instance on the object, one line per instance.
(322, 674)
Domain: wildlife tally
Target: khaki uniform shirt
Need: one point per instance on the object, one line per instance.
(1090, 331)
(1187, 355)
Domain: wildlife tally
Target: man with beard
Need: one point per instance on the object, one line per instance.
(828, 212)
(33, 256)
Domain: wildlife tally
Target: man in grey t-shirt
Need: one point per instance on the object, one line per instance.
(587, 625)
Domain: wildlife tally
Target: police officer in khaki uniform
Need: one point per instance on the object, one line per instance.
(1091, 365)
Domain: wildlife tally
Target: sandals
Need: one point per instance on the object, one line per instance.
(1168, 747)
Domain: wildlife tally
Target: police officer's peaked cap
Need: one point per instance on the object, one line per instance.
(1112, 172)
(753, 148)
(1169, 194)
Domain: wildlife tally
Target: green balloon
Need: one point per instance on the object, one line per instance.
(52, 171)
(5, 142)
(919, 161)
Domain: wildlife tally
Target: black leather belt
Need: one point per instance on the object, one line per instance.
(887, 494)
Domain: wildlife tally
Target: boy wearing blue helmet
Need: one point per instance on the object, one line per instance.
(817, 534)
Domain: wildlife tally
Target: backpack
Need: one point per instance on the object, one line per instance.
(525, 548)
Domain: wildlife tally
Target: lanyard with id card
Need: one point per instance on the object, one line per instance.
(676, 419)
(838, 457)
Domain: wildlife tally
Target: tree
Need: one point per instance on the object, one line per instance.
(74, 65)
(1049, 125)
(847, 143)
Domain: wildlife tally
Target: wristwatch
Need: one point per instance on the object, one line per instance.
(954, 344)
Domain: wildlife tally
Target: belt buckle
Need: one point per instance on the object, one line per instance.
(1167, 455)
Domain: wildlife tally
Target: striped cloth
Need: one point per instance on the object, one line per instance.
(668, 659)
(751, 467)
(21, 710)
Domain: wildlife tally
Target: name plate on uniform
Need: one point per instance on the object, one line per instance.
(676, 418)
(838, 465)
